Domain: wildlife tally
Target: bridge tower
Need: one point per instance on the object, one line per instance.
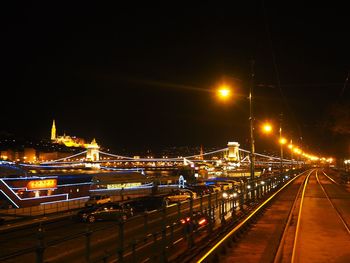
(92, 153)
(233, 151)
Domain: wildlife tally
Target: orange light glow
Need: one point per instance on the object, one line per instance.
(266, 128)
(224, 92)
(283, 141)
(42, 184)
(297, 151)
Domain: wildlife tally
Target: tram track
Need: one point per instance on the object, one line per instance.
(235, 235)
(341, 217)
(301, 191)
(312, 229)
(296, 254)
(299, 213)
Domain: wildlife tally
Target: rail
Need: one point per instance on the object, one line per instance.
(332, 204)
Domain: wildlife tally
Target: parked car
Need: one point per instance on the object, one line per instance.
(179, 196)
(225, 185)
(200, 189)
(108, 211)
(146, 203)
(214, 188)
(98, 200)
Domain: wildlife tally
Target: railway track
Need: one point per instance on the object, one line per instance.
(306, 222)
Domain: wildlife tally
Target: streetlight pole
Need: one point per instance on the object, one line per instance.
(224, 93)
(251, 121)
(281, 146)
(291, 154)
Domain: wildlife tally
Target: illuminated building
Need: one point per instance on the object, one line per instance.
(6, 155)
(53, 131)
(29, 155)
(69, 141)
(48, 185)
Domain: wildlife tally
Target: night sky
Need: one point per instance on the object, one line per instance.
(141, 77)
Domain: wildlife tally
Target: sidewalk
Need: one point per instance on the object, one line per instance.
(14, 224)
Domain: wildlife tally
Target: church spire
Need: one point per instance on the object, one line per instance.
(53, 131)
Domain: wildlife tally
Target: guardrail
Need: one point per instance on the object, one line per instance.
(156, 235)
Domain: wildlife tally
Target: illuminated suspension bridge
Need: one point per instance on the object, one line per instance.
(232, 156)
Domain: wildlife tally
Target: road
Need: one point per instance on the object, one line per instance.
(74, 233)
(145, 236)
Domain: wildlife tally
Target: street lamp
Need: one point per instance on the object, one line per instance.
(266, 128)
(224, 93)
(282, 142)
(251, 122)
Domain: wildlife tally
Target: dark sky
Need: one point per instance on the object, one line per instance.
(140, 76)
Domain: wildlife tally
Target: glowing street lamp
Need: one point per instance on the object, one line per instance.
(224, 92)
(282, 141)
(297, 150)
(266, 128)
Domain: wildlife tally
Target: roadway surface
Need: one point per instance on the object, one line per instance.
(305, 223)
(143, 239)
(67, 237)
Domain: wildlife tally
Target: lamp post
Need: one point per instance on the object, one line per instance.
(281, 146)
(290, 146)
(224, 93)
(251, 124)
